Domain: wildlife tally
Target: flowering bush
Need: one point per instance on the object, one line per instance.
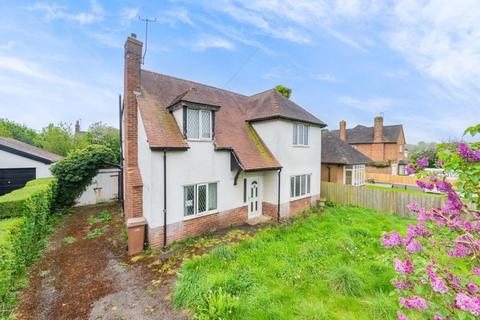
(438, 260)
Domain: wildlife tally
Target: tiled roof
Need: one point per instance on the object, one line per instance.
(27, 150)
(335, 150)
(232, 130)
(362, 134)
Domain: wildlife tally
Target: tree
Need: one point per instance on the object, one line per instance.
(76, 171)
(101, 133)
(56, 138)
(17, 131)
(284, 91)
(424, 150)
(438, 261)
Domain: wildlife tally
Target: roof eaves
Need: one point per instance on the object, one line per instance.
(25, 154)
(319, 124)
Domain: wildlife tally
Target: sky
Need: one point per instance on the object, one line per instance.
(417, 62)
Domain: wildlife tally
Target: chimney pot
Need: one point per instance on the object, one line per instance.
(133, 35)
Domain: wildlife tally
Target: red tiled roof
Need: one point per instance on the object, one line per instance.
(232, 128)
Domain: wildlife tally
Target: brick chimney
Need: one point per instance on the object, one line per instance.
(342, 134)
(378, 129)
(133, 179)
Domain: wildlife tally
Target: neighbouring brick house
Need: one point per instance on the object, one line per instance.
(342, 163)
(385, 145)
(199, 158)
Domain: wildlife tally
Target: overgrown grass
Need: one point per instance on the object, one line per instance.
(328, 266)
(405, 191)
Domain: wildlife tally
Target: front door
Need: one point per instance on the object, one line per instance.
(254, 197)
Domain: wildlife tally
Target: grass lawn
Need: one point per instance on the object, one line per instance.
(405, 191)
(327, 266)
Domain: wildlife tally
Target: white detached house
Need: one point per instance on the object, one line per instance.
(199, 158)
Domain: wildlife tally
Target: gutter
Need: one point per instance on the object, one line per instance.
(164, 198)
(120, 181)
(278, 203)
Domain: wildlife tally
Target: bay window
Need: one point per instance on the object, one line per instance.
(199, 198)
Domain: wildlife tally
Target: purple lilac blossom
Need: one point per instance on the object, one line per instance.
(403, 267)
(391, 239)
(467, 303)
(472, 287)
(410, 170)
(401, 316)
(476, 271)
(425, 185)
(414, 246)
(415, 302)
(422, 163)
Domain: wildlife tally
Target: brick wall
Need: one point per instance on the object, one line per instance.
(133, 180)
(197, 226)
(269, 209)
(300, 205)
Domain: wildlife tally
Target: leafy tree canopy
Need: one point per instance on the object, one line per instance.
(424, 150)
(284, 91)
(76, 171)
(17, 131)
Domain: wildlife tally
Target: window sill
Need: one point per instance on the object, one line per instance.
(300, 146)
(301, 197)
(200, 140)
(192, 217)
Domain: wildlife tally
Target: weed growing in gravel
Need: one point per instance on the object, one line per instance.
(95, 233)
(69, 240)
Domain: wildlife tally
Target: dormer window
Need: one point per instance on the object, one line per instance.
(199, 124)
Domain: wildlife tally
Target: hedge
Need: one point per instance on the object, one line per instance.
(22, 235)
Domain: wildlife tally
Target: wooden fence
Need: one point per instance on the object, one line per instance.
(381, 200)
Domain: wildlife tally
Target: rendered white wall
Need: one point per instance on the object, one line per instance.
(295, 160)
(146, 171)
(11, 161)
(104, 188)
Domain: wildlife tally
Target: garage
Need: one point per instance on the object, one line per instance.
(21, 162)
(11, 179)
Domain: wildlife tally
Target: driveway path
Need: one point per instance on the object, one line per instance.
(86, 274)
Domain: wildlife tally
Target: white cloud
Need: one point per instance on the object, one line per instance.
(372, 105)
(297, 21)
(325, 77)
(441, 38)
(27, 68)
(55, 12)
(175, 15)
(129, 14)
(207, 41)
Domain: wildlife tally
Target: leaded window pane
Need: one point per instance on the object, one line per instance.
(300, 134)
(212, 196)
(188, 199)
(205, 124)
(193, 123)
(202, 198)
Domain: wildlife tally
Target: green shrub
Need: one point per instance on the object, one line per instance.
(17, 202)
(217, 304)
(76, 171)
(23, 236)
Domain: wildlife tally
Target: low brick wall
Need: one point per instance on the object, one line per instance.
(269, 209)
(300, 205)
(197, 226)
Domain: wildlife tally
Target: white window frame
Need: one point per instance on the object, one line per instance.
(358, 174)
(301, 134)
(307, 185)
(200, 125)
(196, 186)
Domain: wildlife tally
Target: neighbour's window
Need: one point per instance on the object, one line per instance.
(199, 124)
(355, 175)
(299, 185)
(300, 134)
(199, 198)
